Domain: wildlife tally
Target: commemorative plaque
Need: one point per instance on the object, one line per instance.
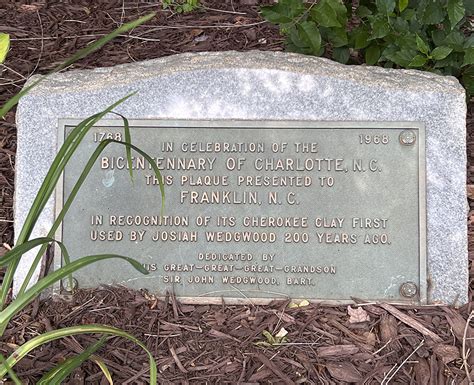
(254, 210)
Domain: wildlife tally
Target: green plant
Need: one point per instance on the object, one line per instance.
(24, 244)
(4, 46)
(431, 35)
(181, 6)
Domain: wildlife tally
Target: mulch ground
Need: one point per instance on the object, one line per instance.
(209, 344)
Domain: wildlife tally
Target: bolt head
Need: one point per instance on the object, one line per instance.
(407, 138)
(408, 289)
(67, 286)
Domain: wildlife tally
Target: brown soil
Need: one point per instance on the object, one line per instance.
(208, 344)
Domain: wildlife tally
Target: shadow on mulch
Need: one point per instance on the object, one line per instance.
(208, 344)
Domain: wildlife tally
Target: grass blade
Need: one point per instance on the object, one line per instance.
(103, 367)
(56, 375)
(18, 251)
(100, 148)
(47, 187)
(24, 349)
(10, 371)
(29, 295)
(10, 103)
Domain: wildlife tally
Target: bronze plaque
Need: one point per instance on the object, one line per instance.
(255, 210)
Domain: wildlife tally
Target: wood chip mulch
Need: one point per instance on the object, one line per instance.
(200, 344)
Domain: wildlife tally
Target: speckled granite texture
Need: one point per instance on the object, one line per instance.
(273, 86)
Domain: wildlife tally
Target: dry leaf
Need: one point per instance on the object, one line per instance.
(422, 372)
(282, 333)
(357, 315)
(336, 351)
(370, 338)
(447, 353)
(344, 371)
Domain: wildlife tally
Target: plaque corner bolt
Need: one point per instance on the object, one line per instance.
(408, 289)
(66, 285)
(407, 137)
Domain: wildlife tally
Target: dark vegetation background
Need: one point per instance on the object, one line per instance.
(209, 344)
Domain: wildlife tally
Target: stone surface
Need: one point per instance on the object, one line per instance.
(269, 86)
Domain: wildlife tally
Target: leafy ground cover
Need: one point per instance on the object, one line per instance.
(213, 344)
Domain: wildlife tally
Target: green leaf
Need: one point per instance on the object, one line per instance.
(77, 56)
(275, 16)
(4, 46)
(455, 39)
(295, 39)
(421, 45)
(433, 13)
(402, 4)
(456, 11)
(361, 38)
(402, 58)
(341, 55)
(441, 52)
(438, 37)
(409, 14)
(401, 25)
(362, 11)
(325, 14)
(380, 28)
(42, 339)
(385, 7)
(283, 12)
(468, 57)
(59, 373)
(337, 37)
(309, 33)
(418, 61)
(372, 54)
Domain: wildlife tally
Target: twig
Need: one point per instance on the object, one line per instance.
(411, 322)
(223, 11)
(382, 348)
(42, 44)
(387, 379)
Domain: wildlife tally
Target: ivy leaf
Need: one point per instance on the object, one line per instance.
(341, 54)
(402, 58)
(380, 28)
(468, 57)
(421, 45)
(362, 11)
(337, 37)
(402, 4)
(433, 13)
(401, 25)
(372, 54)
(455, 40)
(325, 14)
(418, 61)
(456, 11)
(440, 53)
(283, 12)
(361, 38)
(385, 6)
(309, 33)
(4, 46)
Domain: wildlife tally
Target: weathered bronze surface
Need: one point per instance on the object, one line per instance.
(255, 210)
